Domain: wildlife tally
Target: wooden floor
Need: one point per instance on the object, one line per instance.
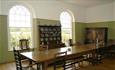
(107, 64)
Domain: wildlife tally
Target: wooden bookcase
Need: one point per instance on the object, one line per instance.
(50, 36)
(91, 34)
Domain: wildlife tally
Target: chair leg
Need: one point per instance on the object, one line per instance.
(54, 67)
(38, 66)
(30, 62)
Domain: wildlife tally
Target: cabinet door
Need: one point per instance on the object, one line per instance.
(96, 33)
(90, 36)
(101, 35)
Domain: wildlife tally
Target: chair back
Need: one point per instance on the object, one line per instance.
(17, 59)
(70, 42)
(24, 44)
(60, 60)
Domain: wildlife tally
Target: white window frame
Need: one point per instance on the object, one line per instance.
(9, 49)
(63, 20)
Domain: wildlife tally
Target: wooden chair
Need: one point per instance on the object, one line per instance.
(19, 64)
(70, 42)
(78, 60)
(110, 51)
(94, 57)
(24, 44)
(61, 61)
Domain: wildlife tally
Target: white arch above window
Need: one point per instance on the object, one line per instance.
(19, 16)
(66, 19)
(19, 26)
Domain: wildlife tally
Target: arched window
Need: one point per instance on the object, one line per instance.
(66, 24)
(19, 26)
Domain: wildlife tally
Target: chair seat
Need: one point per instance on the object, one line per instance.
(28, 68)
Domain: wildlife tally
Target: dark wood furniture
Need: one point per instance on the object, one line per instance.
(94, 57)
(19, 63)
(24, 44)
(97, 36)
(110, 49)
(59, 60)
(50, 36)
(17, 60)
(48, 58)
(70, 42)
(92, 34)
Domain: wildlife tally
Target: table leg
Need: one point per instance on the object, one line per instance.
(30, 63)
(44, 66)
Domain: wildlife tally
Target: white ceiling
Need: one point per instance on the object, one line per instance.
(87, 3)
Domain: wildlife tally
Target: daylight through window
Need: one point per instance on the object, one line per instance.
(66, 24)
(19, 26)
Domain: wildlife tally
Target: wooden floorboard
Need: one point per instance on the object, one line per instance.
(107, 64)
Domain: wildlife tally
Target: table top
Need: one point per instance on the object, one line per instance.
(41, 56)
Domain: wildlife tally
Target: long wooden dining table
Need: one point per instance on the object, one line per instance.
(46, 57)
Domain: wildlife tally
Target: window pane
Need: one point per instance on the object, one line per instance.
(66, 22)
(19, 26)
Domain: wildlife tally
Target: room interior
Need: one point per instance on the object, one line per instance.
(85, 14)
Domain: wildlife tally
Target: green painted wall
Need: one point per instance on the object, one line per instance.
(0, 39)
(47, 22)
(79, 31)
(112, 30)
(6, 56)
